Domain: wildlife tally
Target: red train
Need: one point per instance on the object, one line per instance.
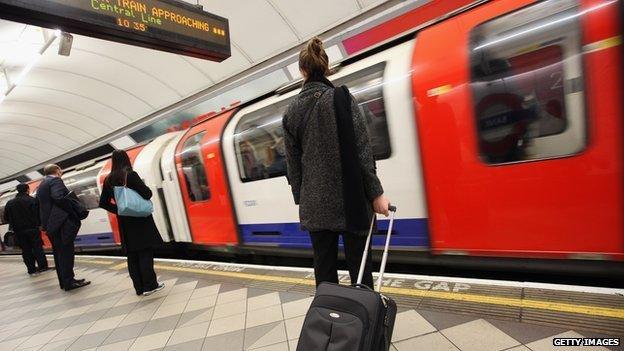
(498, 132)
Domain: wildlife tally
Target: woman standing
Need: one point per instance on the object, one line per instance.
(139, 235)
(331, 168)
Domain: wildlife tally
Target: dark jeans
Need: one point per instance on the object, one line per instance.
(63, 259)
(32, 249)
(325, 246)
(141, 269)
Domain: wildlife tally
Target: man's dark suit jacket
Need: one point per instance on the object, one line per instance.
(55, 208)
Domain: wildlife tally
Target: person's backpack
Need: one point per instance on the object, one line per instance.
(130, 203)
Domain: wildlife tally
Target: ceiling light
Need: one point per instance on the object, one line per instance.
(64, 49)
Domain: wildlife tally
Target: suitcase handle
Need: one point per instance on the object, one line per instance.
(363, 286)
(384, 258)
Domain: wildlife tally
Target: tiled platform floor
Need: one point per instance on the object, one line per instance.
(196, 312)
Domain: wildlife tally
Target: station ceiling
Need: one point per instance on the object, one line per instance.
(65, 102)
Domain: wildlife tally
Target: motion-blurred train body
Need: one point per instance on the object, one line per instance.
(498, 131)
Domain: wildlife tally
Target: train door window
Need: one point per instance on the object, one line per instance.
(194, 170)
(367, 88)
(84, 185)
(259, 143)
(527, 83)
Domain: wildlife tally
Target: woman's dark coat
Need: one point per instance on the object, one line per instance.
(137, 233)
(314, 161)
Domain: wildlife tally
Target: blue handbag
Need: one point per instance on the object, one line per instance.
(130, 203)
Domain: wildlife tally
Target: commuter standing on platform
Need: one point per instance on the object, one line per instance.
(331, 168)
(22, 214)
(61, 221)
(139, 235)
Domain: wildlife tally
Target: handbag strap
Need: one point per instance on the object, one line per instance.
(126, 180)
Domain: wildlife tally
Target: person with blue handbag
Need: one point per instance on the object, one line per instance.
(125, 194)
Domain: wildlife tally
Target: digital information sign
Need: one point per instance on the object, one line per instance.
(167, 25)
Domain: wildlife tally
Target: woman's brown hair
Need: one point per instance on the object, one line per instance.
(313, 59)
(120, 167)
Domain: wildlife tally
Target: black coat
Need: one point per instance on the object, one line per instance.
(56, 210)
(137, 233)
(22, 213)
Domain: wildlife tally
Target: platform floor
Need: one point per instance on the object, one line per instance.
(214, 306)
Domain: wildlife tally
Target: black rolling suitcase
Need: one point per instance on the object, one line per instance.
(351, 318)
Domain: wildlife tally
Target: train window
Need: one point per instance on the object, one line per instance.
(527, 83)
(84, 185)
(194, 170)
(259, 143)
(259, 138)
(367, 88)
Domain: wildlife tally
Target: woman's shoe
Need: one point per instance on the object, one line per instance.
(158, 288)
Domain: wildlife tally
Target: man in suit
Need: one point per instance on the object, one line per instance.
(22, 214)
(61, 222)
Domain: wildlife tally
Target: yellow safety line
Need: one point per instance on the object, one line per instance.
(120, 266)
(239, 275)
(94, 261)
(465, 297)
(513, 302)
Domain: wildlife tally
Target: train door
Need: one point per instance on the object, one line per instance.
(520, 121)
(147, 165)
(204, 184)
(173, 194)
(132, 154)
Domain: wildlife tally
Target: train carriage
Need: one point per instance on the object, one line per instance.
(255, 160)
